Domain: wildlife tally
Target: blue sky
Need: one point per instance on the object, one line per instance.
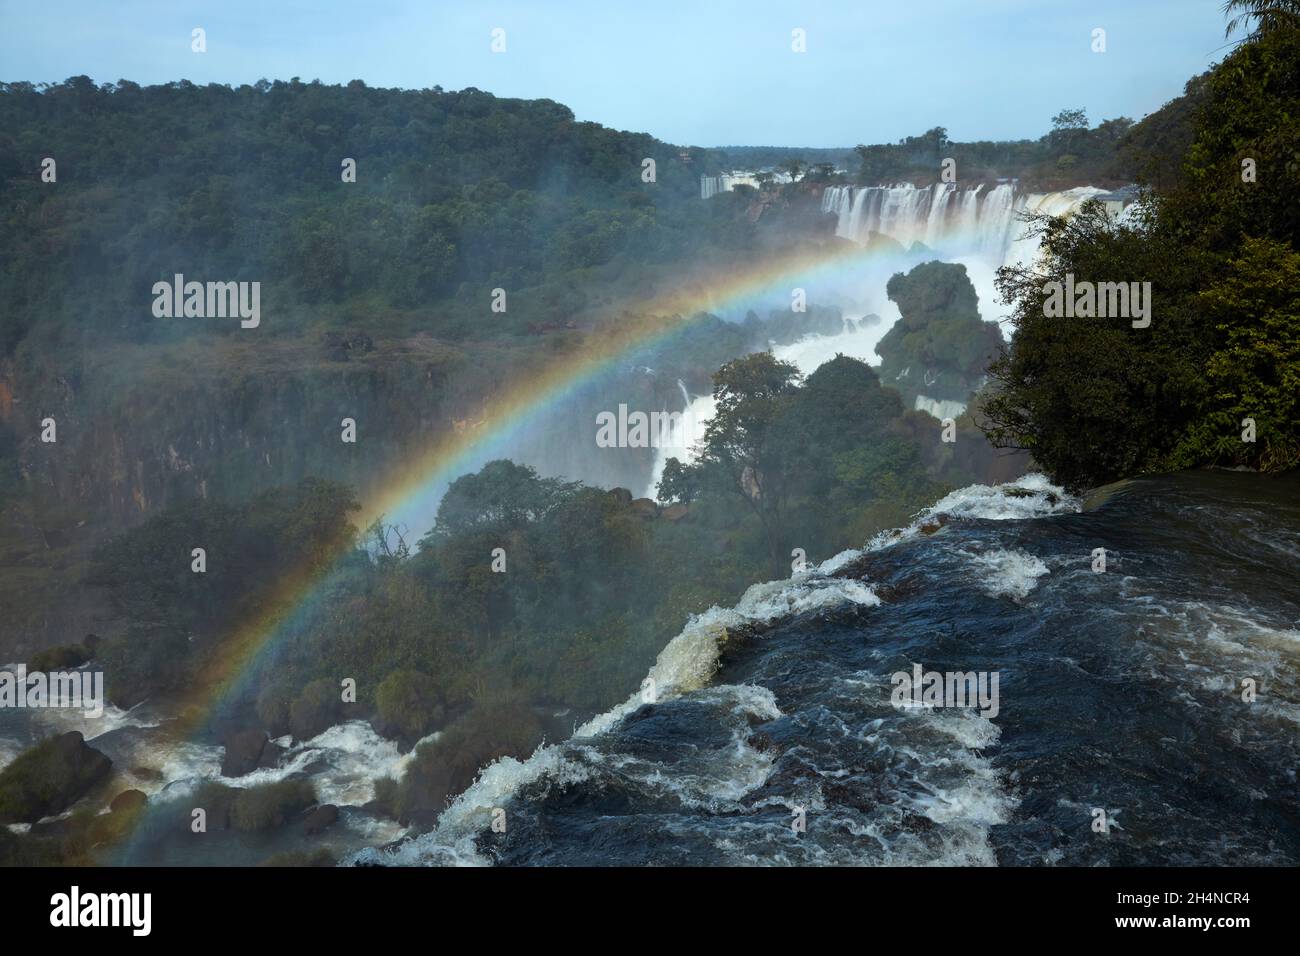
(701, 73)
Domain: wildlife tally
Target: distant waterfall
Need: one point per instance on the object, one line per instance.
(679, 437)
(952, 221)
(710, 186)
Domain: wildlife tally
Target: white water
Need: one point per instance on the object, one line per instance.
(1008, 573)
(980, 230)
(688, 663)
(977, 229)
(679, 437)
(710, 186)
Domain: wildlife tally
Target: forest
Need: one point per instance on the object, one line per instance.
(383, 283)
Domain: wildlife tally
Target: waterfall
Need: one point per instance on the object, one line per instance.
(710, 186)
(679, 435)
(953, 221)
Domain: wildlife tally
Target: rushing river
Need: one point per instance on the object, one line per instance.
(1119, 691)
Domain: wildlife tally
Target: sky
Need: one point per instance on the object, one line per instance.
(702, 73)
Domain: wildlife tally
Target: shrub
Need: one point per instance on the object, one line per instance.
(316, 710)
(49, 777)
(274, 704)
(216, 800)
(443, 768)
(270, 805)
(409, 704)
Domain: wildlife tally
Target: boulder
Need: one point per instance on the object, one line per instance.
(676, 512)
(128, 801)
(271, 755)
(50, 777)
(621, 495)
(644, 508)
(318, 819)
(243, 752)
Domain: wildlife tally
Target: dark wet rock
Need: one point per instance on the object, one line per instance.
(914, 823)
(128, 801)
(934, 524)
(271, 755)
(319, 819)
(243, 752)
(622, 495)
(319, 765)
(50, 777)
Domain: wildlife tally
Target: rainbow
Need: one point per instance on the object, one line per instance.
(419, 481)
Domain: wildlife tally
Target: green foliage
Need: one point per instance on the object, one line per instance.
(409, 703)
(745, 451)
(316, 710)
(48, 777)
(270, 805)
(1256, 372)
(1261, 16)
(456, 193)
(940, 347)
(443, 768)
(820, 465)
(178, 616)
(1091, 155)
(501, 496)
(1094, 399)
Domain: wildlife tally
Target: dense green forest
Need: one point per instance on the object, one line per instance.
(458, 193)
(1215, 379)
(1071, 153)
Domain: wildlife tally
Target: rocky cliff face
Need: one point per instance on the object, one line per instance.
(137, 428)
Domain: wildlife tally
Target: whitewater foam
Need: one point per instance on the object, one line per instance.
(1008, 573)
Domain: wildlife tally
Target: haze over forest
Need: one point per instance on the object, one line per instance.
(585, 418)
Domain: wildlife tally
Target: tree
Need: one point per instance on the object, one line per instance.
(1069, 131)
(501, 495)
(1262, 16)
(745, 448)
(678, 483)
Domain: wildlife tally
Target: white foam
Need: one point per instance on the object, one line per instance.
(1029, 496)
(939, 408)
(1008, 573)
(451, 842)
(9, 750)
(61, 720)
(691, 658)
(354, 757)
